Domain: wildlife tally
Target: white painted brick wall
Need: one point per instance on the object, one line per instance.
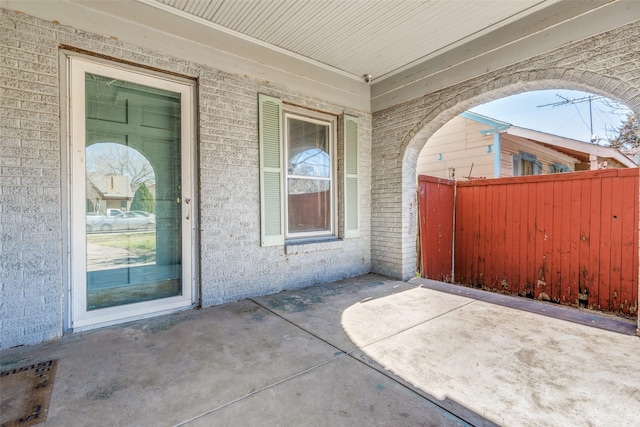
(233, 265)
(30, 217)
(607, 64)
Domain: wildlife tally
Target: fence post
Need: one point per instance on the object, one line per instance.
(453, 240)
(638, 254)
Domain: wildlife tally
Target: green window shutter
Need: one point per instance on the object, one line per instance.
(351, 181)
(271, 182)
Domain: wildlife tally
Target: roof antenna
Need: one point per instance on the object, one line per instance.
(587, 98)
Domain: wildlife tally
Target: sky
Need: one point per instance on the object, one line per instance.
(532, 110)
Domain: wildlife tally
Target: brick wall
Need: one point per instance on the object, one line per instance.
(34, 180)
(606, 64)
(30, 191)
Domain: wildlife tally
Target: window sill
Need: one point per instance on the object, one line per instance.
(311, 245)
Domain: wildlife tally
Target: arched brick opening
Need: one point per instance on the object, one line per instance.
(425, 128)
(601, 65)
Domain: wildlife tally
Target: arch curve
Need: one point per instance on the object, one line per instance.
(415, 139)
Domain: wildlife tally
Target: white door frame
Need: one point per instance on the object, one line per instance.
(79, 317)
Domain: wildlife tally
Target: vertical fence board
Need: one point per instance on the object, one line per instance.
(524, 239)
(539, 283)
(446, 219)
(492, 253)
(516, 239)
(584, 281)
(548, 260)
(462, 251)
(628, 239)
(470, 237)
(461, 248)
(502, 238)
(616, 246)
(594, 243)
(508, 237)
(482, 236)
(485, 197)
(489, 258)
(530, 248)
(557, 242)
(565, 245)
(474, 236)
(574, 240)
(470, 260)
(605, 246)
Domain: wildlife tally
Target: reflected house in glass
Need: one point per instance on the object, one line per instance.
(108, 192)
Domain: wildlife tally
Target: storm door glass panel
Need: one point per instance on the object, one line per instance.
(133, 178)
(308, 178)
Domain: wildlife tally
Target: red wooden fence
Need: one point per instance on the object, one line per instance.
(569, 238)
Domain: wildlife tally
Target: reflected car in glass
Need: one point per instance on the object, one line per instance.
(124, 221)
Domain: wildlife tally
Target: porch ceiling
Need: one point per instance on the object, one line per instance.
(409, 47)
(360, 36)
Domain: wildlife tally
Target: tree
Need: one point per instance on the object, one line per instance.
(627, 137)
(110, 158)
(143, 200)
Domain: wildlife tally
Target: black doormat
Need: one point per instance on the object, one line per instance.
(24, 400)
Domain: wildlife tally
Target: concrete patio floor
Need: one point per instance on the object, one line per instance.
(358, 352)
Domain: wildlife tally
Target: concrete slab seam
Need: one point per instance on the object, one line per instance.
(298, 326)
(270, 386)
(352, 356)
(413, 326)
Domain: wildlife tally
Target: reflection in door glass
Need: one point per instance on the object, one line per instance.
(133, 224)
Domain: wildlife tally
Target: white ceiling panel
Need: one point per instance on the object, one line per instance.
(377, 37)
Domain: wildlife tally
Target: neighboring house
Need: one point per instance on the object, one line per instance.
(282, 136)
(108, 192)
(474, 146)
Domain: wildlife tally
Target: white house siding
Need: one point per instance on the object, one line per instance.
(459, 144)
(232, 263)
(511, 145)
(606, 64)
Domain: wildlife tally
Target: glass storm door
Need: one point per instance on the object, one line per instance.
(131, 189)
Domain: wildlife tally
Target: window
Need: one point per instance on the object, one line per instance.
(298, 173)
(559, 168)
(309, 201)
(526, 164)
